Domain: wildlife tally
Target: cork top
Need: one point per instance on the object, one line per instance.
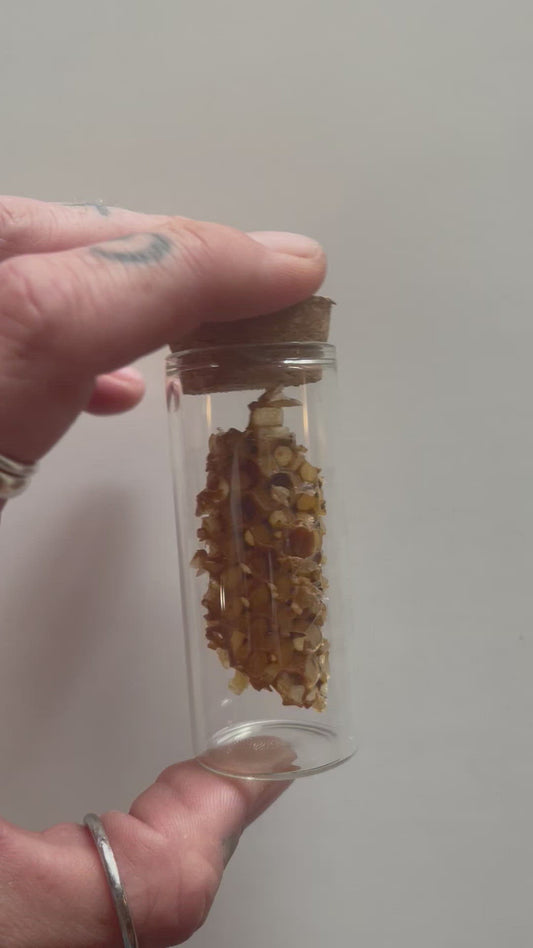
(305, 322)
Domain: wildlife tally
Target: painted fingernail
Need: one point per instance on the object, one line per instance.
(298, 245)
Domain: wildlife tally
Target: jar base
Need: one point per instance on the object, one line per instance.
(275, 750)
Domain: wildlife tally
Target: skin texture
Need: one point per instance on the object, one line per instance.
(84, 290)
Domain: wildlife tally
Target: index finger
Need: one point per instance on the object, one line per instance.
(30, 226)
(107, 304)
(69, 316)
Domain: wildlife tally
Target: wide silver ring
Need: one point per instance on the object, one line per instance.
(14, 477)
(107, 858)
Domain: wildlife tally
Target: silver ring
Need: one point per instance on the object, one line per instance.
(107, 858)
(14, 477)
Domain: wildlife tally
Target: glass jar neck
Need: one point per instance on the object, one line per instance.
(250, 366)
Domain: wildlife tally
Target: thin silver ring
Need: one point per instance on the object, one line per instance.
(14, 477)
(107, 858)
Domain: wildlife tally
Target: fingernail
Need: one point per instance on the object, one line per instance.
(127, 374)
(298, 245)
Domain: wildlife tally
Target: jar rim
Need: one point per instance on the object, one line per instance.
(288, 353)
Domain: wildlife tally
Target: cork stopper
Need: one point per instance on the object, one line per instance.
(235, 368)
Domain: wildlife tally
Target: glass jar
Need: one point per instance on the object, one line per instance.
(262, 554)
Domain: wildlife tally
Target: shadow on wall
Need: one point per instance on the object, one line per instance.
(60, 617)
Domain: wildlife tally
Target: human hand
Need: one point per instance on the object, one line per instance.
(76, 304)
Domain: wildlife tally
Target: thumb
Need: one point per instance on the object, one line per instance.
(171, 850)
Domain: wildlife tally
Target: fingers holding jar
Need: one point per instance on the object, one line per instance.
(83, 293)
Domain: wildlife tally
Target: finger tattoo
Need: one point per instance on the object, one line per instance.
(150, 249)
(99, 206)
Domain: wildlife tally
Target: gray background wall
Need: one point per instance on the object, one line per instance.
(400, 134)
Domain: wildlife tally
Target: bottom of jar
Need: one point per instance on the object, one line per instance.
(275, 750)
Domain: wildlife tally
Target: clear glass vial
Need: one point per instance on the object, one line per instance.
(263, 557)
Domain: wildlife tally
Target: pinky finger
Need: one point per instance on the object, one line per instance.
(116, 392)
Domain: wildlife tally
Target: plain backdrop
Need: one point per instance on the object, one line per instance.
(401, 136)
